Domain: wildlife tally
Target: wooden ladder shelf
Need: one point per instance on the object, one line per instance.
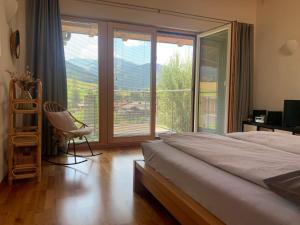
(24, 143)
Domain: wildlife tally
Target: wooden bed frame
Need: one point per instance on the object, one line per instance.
(180, 205)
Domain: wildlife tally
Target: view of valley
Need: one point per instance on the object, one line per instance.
(132, 82)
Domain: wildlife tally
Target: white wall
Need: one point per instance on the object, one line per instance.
(8, 63)
(5, 63)
(242, 10)
(277, 75)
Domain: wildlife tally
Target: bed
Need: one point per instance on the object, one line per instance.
(196, 192)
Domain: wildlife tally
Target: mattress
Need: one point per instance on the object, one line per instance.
(232, 199)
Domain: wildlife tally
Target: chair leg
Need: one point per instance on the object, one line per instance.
(86, 140)
(74, 155)
(67, 153)
(84, 156)
(74, 150)
(91, 150)
(68, 147)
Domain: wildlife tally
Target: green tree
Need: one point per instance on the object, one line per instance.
(174, 95)
(73, 93)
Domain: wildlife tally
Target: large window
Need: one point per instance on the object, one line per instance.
(81, 55)
(144, 84)
(132, 83)
(174, 81)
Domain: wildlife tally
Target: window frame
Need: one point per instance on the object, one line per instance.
(129, 28)
(194, 39)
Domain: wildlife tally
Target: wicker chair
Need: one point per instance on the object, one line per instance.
(65, 129)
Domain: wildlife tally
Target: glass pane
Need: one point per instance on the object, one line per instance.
(81, 54)
(212, 88)
(132, 82)
(174, 77)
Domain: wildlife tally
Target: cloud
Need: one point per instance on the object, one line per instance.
(90, 52)
(131, 43)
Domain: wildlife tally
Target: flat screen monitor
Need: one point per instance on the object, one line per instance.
(291, 113)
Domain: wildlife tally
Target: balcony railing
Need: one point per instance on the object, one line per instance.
(132, 111)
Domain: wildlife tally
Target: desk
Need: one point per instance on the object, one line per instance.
(259, 126)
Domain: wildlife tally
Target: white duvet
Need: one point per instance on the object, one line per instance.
(241, 155)
(281, 141)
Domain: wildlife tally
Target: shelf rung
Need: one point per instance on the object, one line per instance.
(25, 140)
(25, 145)
(24, 172)
(25, 101)
(26, 111)
(19, 133)
(24, 176)
(25, 166)
(26, 128)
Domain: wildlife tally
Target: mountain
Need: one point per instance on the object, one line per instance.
(82, 69)
(128, 75)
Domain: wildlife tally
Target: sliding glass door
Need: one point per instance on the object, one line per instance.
(174, 82)
(81, 56)
(213, 75)
(130, 82)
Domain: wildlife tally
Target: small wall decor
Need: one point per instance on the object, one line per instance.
(15, 44)
(292, 46)
(289, 47)
(11, 8)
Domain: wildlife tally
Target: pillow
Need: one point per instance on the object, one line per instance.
(286, 185)
(62, 120)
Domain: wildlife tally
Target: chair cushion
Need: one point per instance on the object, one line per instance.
(82, 131)
(62, 120)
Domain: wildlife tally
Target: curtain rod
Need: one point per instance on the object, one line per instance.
(157, 10)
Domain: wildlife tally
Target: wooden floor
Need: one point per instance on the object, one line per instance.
(96, 192)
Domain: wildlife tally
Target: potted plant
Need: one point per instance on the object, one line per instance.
(26, 83)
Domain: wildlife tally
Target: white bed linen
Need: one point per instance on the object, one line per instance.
(233, 200)
(251, 161)
(281, 141)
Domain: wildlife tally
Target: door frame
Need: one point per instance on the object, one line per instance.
(227, 27)
(110, 94)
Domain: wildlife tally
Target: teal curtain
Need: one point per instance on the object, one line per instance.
(45, 56)
(241, 76)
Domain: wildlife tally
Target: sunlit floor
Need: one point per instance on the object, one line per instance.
(96, 192)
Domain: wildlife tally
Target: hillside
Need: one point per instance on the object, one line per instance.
(127, 75)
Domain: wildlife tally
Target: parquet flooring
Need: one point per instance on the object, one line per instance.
(93, 193)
